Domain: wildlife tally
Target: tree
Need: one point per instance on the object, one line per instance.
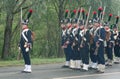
(9, 7)
(12, 7)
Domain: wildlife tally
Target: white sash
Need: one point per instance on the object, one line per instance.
(23, 34)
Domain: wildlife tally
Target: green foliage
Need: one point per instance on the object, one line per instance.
(45, 22)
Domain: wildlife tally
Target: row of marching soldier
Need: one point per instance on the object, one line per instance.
(90, 43)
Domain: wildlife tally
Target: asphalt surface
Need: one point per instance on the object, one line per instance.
(54, 71)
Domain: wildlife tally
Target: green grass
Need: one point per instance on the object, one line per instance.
(35, 61)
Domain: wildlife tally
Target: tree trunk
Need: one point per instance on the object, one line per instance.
(7, 36)
(60, 15)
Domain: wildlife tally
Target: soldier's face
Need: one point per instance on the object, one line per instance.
(82, 26)
(24, 26)
(62, 25)
(68, 24)
(74, 24)
(115, 29)
(107, 28)
(96, 24)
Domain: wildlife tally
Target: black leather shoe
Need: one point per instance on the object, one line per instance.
(116, 62)
(64, 66)
(25, 72)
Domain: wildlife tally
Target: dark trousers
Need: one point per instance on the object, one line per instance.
(109, 50)
(85, 54)
(26, 56)
(117, 51)
(93, 57)
(68, 52)
(77, 54)
(100, 54)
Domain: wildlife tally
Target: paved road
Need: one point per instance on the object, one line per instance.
(54, 71)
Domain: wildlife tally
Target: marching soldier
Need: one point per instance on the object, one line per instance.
(84, 38)
(69, 41)
(75, 45)
(64, 45)
(99, 38)
(109, 44)
(117, 44)
(93, 57)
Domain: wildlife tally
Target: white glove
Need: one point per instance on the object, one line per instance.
(27, 49)
(84, 38)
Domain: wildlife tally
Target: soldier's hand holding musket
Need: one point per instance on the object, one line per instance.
(28, 46)
(82, 42)
(97, 44)
(65, 44)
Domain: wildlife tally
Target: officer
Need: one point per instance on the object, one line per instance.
(99, 38)
(26, 45)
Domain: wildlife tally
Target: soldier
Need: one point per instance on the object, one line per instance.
(109, 44)
(68, 42)
(93, 57)
(75, 44)
(26, 45)
(84, 38)
(117, 44)
(99, 38)
(64, 45)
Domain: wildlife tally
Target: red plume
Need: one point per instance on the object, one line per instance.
(110, 15)
(67, 11)
(30, 10)
(117, 19)
(83, 10)
(29, 14)
(74, 11)
(94, 12)
(100, 8)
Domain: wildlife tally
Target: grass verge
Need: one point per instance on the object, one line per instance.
(35, 61)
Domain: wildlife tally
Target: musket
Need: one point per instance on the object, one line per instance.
(85, 26)
(79, 15)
